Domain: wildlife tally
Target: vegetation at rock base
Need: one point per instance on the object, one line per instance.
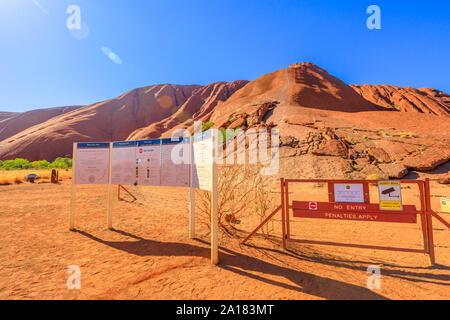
(24, 164)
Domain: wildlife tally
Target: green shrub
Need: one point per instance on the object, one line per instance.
(41, 164)
(17, 164)
(206, 126)
(24, 164)
(61, 163)
(228, 134)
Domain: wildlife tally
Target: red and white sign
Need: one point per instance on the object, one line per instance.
(353, 211)
(313, 206)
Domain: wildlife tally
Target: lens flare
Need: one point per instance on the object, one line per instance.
(111, 55)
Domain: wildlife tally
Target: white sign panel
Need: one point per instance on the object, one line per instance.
(203, 161)
(174, 174)
(124, 163)
(352, 193)
(92, 163)
(148, 160)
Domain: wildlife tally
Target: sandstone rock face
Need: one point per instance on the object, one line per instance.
(197, 107)
(6, 115)
(18, 122)
(428, 160)
(332, 148)
(379, 154)
(313, 87)
(237, 124)
(394, 171)
(423, 100)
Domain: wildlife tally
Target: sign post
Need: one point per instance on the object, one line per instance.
(214, 214)
(109, 216)
(72, 189)
(191, 192)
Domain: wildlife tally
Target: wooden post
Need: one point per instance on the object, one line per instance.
(283, 210)
(266, 220)
(72, 189)
(214, 215)
(423, 217)
(108, 204)
(287, 211)
(429, 219)
(192, 194)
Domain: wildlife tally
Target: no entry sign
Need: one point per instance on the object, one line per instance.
(313, 206)
(352, 211)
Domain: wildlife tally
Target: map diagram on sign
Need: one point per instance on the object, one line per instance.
(148, 162)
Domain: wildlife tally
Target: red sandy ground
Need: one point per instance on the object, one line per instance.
(149, 255)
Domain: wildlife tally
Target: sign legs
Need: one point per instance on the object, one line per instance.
(72, 190)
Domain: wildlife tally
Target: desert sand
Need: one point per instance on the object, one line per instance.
(149, 254)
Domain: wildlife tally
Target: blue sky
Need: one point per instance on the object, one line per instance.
(43, 64)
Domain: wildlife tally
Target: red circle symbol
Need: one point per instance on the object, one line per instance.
(141, 150)
(313, 206)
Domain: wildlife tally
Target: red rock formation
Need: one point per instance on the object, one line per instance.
(198, 106)
(112, 120)
(18, 122)
(427, 160)
(406, 99)
(313, 87)
(6, 115)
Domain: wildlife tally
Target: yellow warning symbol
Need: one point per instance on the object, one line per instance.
(445, 204)
(390, 193)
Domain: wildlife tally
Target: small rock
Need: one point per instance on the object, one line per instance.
(394, 171)
(428, 160)
(380, 155)
(237, 123)
(334, 148)
(289, 141)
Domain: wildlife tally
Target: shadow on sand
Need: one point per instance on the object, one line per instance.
(241, 264)
(418, 275)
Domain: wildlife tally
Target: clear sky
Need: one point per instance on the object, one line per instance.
(123, 45)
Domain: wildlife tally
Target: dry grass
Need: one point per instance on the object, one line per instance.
(20, 176)
(243, 193)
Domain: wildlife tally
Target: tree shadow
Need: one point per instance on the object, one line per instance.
(413, 276)
(243, 265)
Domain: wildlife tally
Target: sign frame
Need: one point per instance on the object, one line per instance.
(213, 135)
